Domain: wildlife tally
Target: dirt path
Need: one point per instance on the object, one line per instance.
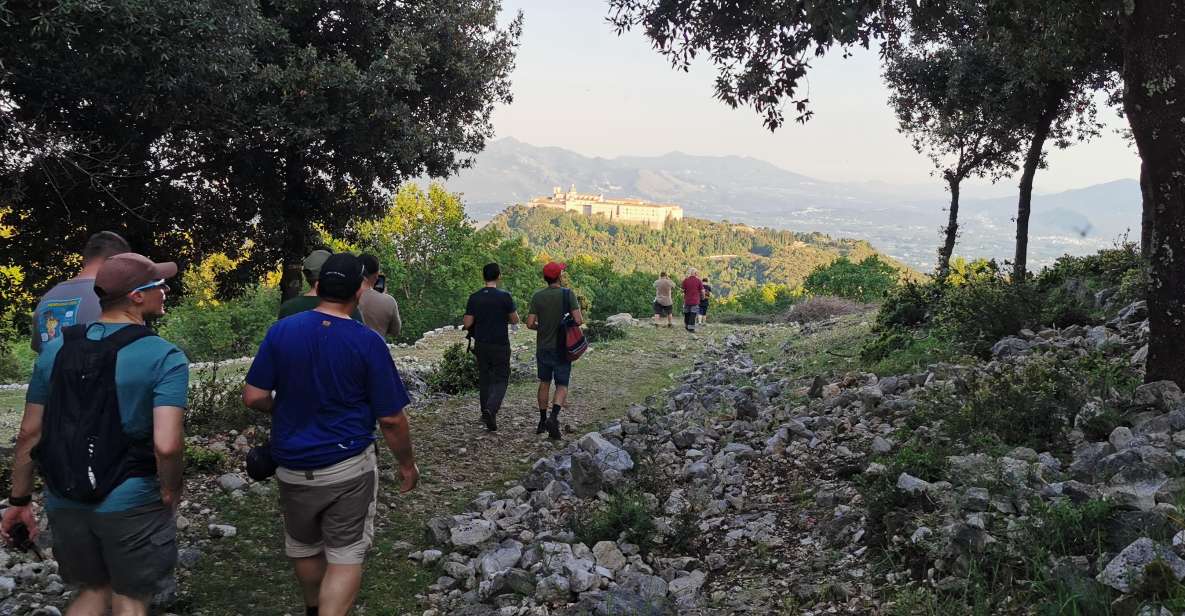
(247, 574)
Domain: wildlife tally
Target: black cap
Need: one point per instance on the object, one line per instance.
(341, 277)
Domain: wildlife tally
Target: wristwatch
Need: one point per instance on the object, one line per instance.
(20, 501)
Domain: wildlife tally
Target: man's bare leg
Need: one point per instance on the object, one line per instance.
(339, 588)
(122, 605)
(561, 395)
(544, 394)
(91, 601)
(310, 572)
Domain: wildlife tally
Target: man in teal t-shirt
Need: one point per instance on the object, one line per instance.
(120, 549)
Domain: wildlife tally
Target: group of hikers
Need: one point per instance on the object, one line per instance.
(697, 294)
(103, 418)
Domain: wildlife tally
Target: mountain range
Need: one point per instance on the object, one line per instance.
(902, 221)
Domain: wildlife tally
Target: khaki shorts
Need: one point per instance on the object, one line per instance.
(330, 510)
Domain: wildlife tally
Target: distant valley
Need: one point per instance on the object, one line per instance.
(901, 221)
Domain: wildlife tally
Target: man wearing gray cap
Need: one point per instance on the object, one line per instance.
(309, 301)
(103, 422)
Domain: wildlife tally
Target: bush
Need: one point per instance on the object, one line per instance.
(199, 458)
(600, 331)
(975, 316)
(866, 281)
(216, 405)
(1068, 305)
(456, 373)
(210, 331)
(625, 513)
(821, 308)
(1106, 268)
(1133, 287)
(909, 305)
(886, 342)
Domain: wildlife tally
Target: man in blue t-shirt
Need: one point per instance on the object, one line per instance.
(120, 549)
(332, 380)
(487, 314)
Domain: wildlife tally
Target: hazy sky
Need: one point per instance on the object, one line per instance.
(579, 86)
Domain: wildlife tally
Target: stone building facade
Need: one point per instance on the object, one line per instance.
(623, 210)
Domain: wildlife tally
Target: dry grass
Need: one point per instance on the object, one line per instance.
(822, 308)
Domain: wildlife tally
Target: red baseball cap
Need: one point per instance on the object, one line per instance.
(552, 270)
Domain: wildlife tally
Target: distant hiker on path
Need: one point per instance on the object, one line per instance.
(662, 299)
(380, 311)
(692, 293)
(74, 302)
(546, 316)
(309, 301)
(333, 380)
(704, 300)
(112, 393)
(487, 314)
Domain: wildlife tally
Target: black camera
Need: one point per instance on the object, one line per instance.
(380, 284)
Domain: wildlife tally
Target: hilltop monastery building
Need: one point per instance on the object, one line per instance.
(622, 210)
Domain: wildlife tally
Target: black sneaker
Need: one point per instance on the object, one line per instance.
(553, 426)
(542, 423)
(491, 420)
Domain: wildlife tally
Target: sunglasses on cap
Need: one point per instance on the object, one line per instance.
(152, 285)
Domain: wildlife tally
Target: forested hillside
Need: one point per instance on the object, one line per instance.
(735, 257)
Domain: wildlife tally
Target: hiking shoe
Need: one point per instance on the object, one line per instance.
(542, 423)
(553, 426)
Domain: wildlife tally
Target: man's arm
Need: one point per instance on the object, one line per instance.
(576, 316)
(395, 325)
(512, 318)
(467, 322)
(168, 441)
(532, 321)
(397, 434)
(256, 398)
(22, 471)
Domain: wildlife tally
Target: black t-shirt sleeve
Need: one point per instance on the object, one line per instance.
(510, 307)
(470, 306)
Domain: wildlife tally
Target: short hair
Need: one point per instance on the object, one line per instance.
(551, 280)
(370, 265)
(662, 275)
(104, 244)
(491, 272)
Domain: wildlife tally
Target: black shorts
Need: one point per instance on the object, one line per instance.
(134, 551)
(662, 311)
(703, 307)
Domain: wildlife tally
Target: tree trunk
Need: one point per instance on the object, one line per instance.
(1020, 262)
(1146, 229)
(1154, 99)
(952, 229)
(296, 228)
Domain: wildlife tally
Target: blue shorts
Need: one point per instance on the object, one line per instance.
(552, 369)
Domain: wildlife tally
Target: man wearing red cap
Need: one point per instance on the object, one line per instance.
(548, 307)
(104, 412)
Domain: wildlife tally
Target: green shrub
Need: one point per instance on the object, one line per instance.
(1133, 287)
(1105, 268)
(976, 315)
(216, 405)
(1069, 529)
(885, 343)
(866, 281)
(456, 373)
(625, 513)
(909, 305)
(202, 459)
(1063, 307)
(600, 331)
(232, 328)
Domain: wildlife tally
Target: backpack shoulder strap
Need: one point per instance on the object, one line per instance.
(73, 333)
(567, 300)
(127, 335)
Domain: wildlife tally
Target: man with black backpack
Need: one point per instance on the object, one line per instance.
(549, 307)
(103, 422)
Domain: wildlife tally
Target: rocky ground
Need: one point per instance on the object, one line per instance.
(783, 482)
(762, 486)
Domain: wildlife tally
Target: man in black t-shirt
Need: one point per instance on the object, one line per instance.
(486, 317)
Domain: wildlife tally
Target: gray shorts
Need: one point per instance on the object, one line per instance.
(133, 551)
(330, 510)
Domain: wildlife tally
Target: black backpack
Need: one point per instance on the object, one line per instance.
(84, 453)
